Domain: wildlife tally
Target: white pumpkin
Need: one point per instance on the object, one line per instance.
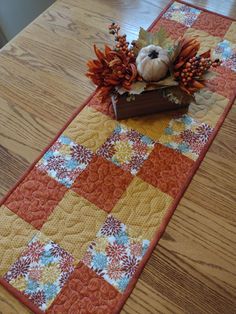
(152, 63)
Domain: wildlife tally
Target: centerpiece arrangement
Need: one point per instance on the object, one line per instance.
(151, 74)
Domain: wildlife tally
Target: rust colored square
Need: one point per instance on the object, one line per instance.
(104, 107)
(166, 169)
(35, 198)
(173, 28)
(224, 83)
(86, 292)
(102, 183)
(212, 24)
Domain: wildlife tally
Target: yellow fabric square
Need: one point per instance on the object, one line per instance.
(142, 208)
(74, 224)
(90, 128)
(151, 125)
(15, 233)
(207, 107)
(231, 33)
(207, 41)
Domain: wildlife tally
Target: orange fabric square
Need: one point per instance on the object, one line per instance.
(213, 24)
(224, 83)
(166, 169)
(173, 28)
(86, 292)
(102, 183)
(35, 198)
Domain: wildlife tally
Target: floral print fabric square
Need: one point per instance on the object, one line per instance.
(186, 135)
(226, 51)
(41, 271)
(127, 149)
(114, 255)
(182, 13)
(65, 160)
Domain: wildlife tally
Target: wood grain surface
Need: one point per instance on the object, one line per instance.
(193, 269)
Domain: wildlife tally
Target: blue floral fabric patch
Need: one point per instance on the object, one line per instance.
(226, 51)
(65, 160)
(127, 149)
(182, 13)
(115, 255)
(41, 271)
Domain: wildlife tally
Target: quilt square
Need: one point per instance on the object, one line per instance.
(127, 149)
(186, 135)
(114, 255)
(142, 208)
(86, 292)
(15, 233)
(208, 106)
(65, 160)
(74, 223)
(35, 198)
(213, 24)
(226, 51)
(166, 169)
(90, 128)
(41, 271)
(102, 183)
(182, 13)
(224, 83)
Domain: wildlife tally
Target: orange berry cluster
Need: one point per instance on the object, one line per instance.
(122, 44)
(195, 68)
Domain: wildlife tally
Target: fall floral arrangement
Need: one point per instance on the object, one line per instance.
(152, 62)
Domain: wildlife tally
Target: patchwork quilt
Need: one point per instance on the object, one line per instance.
(79, 226)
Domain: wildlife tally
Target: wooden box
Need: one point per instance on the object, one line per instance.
(145, 103)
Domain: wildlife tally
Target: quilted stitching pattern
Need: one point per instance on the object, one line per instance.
(102, 183)
(214, 25)
(90, 128)
(76, 218)
(74, 224)
(166, 169)
(35, 198)
(86, 292)
(152, 125)
(224, 83)
(141, 208)
(208, 107)
(15, 233)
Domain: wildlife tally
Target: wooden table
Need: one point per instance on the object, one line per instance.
(42, 81)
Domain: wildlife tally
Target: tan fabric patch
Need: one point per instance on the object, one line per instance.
(142, 208)
(74, 224)
(208, 107)
(15, 233)
(207, 41)
(231, 33)
(90, 128)
(151, 125)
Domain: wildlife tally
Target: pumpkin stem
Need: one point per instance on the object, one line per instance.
(153, 54)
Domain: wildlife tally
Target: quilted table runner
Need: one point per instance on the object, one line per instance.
(79, 226)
